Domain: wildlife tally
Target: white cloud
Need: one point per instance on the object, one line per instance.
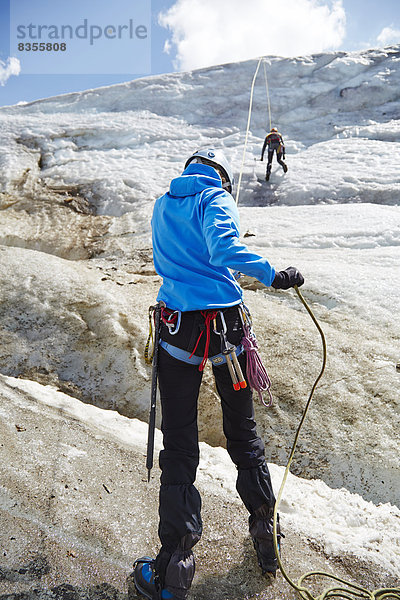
(206, 32)
(388, 36)
(11, 67)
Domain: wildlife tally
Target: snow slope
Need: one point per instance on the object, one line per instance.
(78, 177)
(121, 145)
(77, 482)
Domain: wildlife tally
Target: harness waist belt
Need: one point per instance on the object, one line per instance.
(184, 356)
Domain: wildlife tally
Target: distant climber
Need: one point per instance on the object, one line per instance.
(275, 143)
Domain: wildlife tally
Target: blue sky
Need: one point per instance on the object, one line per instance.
(188, 28)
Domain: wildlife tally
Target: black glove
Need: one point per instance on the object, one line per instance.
(287, 279)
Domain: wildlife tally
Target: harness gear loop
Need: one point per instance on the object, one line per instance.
(172, 320)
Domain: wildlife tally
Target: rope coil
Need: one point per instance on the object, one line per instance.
(257, 374)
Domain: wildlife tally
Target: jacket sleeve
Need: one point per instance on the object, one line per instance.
(263, 148)
(221, 232)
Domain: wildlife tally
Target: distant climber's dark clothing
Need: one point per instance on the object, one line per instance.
(275, 143)
(278, 158)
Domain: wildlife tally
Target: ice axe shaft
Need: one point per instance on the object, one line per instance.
(153, 397)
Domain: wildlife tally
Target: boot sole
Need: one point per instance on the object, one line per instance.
(133, 590)
(140, 591)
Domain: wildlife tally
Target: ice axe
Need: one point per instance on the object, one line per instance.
(154, 379)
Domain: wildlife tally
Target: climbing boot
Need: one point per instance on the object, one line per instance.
(146, 580)
(284, 167)
(169, 576)
(261, 530)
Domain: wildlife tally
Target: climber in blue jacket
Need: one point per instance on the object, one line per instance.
(196, 246)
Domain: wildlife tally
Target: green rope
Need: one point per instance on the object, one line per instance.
(351, 590)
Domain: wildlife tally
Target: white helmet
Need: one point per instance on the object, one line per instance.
(214, 158)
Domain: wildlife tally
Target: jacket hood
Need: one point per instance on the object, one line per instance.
(194, 179)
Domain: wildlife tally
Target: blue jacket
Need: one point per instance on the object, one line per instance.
(195, 229)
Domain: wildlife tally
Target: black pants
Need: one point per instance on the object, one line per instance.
(278, 158)
(180, 504)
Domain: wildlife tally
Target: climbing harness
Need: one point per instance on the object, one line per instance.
(257, 376)
(228, 354)
(349, 591)
(191, 359)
